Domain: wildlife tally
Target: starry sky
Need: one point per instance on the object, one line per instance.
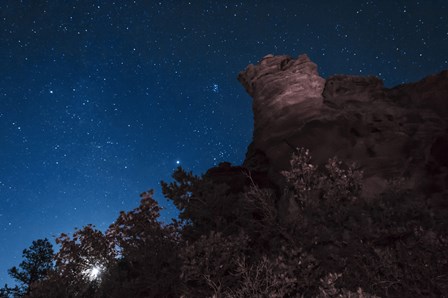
(102, 99)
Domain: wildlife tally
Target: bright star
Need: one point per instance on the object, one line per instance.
(177, 161)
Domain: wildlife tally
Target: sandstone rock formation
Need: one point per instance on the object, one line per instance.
(281, 103)
(402, 131)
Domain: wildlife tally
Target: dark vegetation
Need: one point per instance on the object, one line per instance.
(236, 244)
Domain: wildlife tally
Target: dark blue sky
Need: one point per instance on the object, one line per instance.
(100, 100)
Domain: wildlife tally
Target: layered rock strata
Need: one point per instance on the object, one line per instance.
(401, 131)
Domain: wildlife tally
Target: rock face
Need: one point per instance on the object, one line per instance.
(286, 94)
(401, 131)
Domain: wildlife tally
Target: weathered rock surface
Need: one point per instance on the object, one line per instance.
(281, 103)
(401, 131)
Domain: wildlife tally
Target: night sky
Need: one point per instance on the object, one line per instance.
(100, 100)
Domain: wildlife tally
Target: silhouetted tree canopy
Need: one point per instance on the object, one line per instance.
(226, 243)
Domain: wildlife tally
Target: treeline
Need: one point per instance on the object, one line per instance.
(233, 243)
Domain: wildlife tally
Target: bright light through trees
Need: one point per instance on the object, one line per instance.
(94, 272)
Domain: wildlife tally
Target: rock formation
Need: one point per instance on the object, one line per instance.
(402, 131)
(286, 94)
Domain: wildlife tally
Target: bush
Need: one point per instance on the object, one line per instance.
(393, 246)
(210, 263)
(311, 186)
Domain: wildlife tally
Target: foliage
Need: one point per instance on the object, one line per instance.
(37, 263)
(237, 244)
(78, 265)
(204, 206)
(336, 184)
(149, 263)
(393, 242)
(302, 177)
(208, 264)
(261, 203)
(264, 279)
(135, 257)
(183, 191)
(328, 289)
(3, 292)
(341, 184)
(282, 274)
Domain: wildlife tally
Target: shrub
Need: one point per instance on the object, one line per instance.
(209, 264)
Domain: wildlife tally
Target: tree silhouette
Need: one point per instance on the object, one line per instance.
(204, 205)
(148, 263)
(38, 261)
(3, 292)
(136, 257)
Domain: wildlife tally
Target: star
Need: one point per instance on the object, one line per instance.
(100, 111)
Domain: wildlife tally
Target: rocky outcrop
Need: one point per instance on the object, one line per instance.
(401, 131)
(287, 93)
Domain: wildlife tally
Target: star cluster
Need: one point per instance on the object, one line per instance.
(100, 100)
